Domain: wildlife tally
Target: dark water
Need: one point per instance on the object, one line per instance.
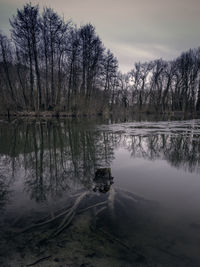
(88, 193)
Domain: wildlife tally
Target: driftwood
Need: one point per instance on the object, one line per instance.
(67, 223)
(69, 211)
(37, 261)
(45, 222)
(69, 214)
(73, 209)
(93, 206)
(100, 210)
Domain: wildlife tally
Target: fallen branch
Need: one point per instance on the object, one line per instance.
(37, 261)
(100, 210)
(70, 215)
(111, 200)
(73, 208)
(69, 211)
(44, 223)
(65, 225)
(93, 206)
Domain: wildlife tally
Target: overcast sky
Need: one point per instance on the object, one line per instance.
(134, 30)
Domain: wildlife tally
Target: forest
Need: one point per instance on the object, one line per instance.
(48, 64)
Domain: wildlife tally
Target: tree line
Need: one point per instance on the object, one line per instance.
(167, 85)
(51, 64)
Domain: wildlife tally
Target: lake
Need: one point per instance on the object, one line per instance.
(80, 192)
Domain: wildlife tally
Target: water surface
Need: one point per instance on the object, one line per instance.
(55, 211)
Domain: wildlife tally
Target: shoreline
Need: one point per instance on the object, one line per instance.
(62, 114)
(47, 114)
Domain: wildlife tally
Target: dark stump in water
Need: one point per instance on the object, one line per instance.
(103, 180)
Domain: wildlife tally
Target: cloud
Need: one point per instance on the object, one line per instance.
(128, 54)
(133, 29)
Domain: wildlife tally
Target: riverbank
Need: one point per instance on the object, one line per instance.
(47, 114)
(117, 113)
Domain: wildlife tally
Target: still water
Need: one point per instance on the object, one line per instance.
(98, 193)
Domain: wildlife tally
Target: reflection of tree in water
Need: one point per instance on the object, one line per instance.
(4, 192)
(57, 156)
(181, 151)
(7, 172)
